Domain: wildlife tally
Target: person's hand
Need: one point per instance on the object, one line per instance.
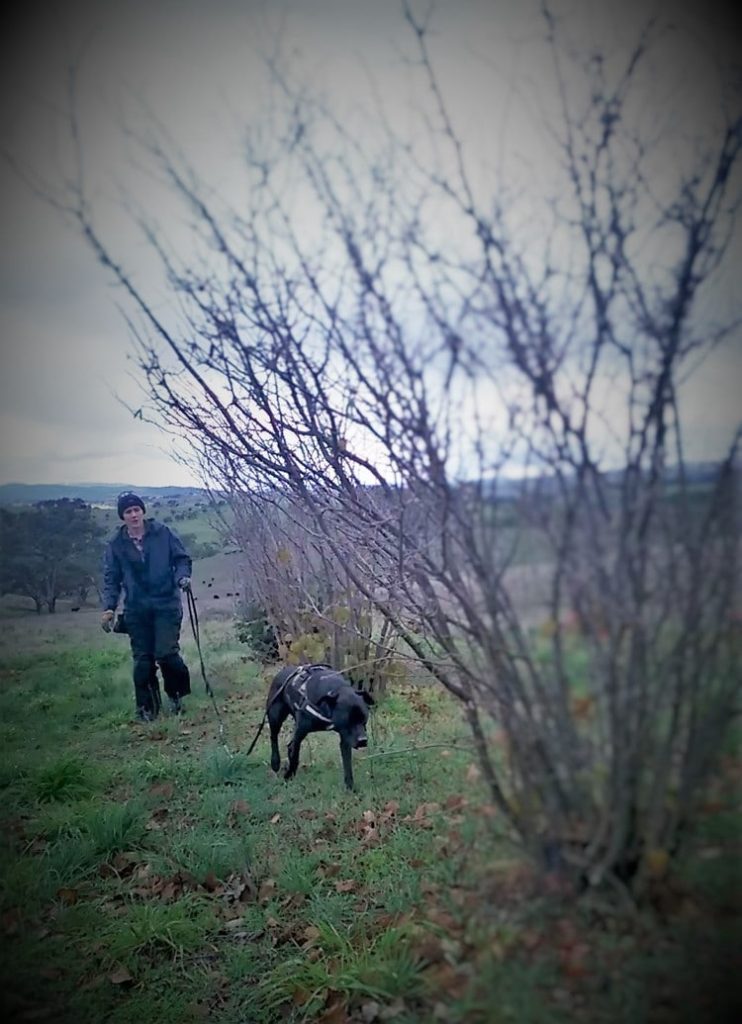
(106, 621)
(184, 582)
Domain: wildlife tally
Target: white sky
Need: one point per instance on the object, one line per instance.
(64, 344)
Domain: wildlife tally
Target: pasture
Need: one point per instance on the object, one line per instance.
(147, 874)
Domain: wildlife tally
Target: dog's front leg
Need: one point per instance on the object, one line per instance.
(300, 732)
(347, 755)
(277, 714)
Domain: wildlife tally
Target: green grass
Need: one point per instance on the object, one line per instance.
(146, 874)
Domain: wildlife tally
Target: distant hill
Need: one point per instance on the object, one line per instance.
(698, 473)
(27, 494)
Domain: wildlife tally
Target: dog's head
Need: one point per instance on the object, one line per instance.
(349, 713)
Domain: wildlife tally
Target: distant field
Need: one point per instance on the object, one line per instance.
(196, 521)
(216, 583)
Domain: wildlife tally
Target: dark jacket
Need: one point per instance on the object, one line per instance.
(149, 579)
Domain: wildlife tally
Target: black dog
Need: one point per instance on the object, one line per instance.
(317, 697)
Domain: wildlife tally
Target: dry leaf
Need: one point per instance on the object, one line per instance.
(163, 789)
(267, 890)
(425, 809)
(211, 883)
(348, 885)
(455, 803)
(120, 976)
(657, 862)
(334, 1014)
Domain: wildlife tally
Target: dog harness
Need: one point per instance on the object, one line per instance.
(295, 689)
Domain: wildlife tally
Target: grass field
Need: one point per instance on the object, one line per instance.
(149, 875)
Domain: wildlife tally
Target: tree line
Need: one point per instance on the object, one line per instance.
(52, 549)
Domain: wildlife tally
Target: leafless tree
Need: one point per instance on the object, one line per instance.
(379, 369)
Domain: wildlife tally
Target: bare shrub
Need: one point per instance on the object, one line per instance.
(435, 383)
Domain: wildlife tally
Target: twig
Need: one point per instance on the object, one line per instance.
(424, 746)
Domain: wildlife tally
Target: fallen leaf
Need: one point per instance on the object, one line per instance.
(211, 883)
(267, 890)
(334, 1014)
(573, 965)
(425, 809)
(124, 862)
(447, 978)
(120, 976)
(199, 1010)
(473, 773)
(455, 803)
(68, 896)
(11, 920)
(348, 885)
(275, 819)
(429, 949)
(657, 862)
(163, 789)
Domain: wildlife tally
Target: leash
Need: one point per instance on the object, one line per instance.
(193, 616)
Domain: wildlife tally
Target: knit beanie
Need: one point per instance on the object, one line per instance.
(128, 500)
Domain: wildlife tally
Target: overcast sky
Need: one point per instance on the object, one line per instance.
(65, 344)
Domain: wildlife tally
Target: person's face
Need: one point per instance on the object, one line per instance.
(133, 516)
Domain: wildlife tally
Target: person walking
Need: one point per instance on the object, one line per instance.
(147, 561)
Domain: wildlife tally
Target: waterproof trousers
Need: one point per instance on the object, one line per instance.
(154, 634)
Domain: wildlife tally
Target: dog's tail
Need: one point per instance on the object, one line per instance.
(257, 734)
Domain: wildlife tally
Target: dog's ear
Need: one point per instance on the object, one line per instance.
(365, 695)
(331, 697)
